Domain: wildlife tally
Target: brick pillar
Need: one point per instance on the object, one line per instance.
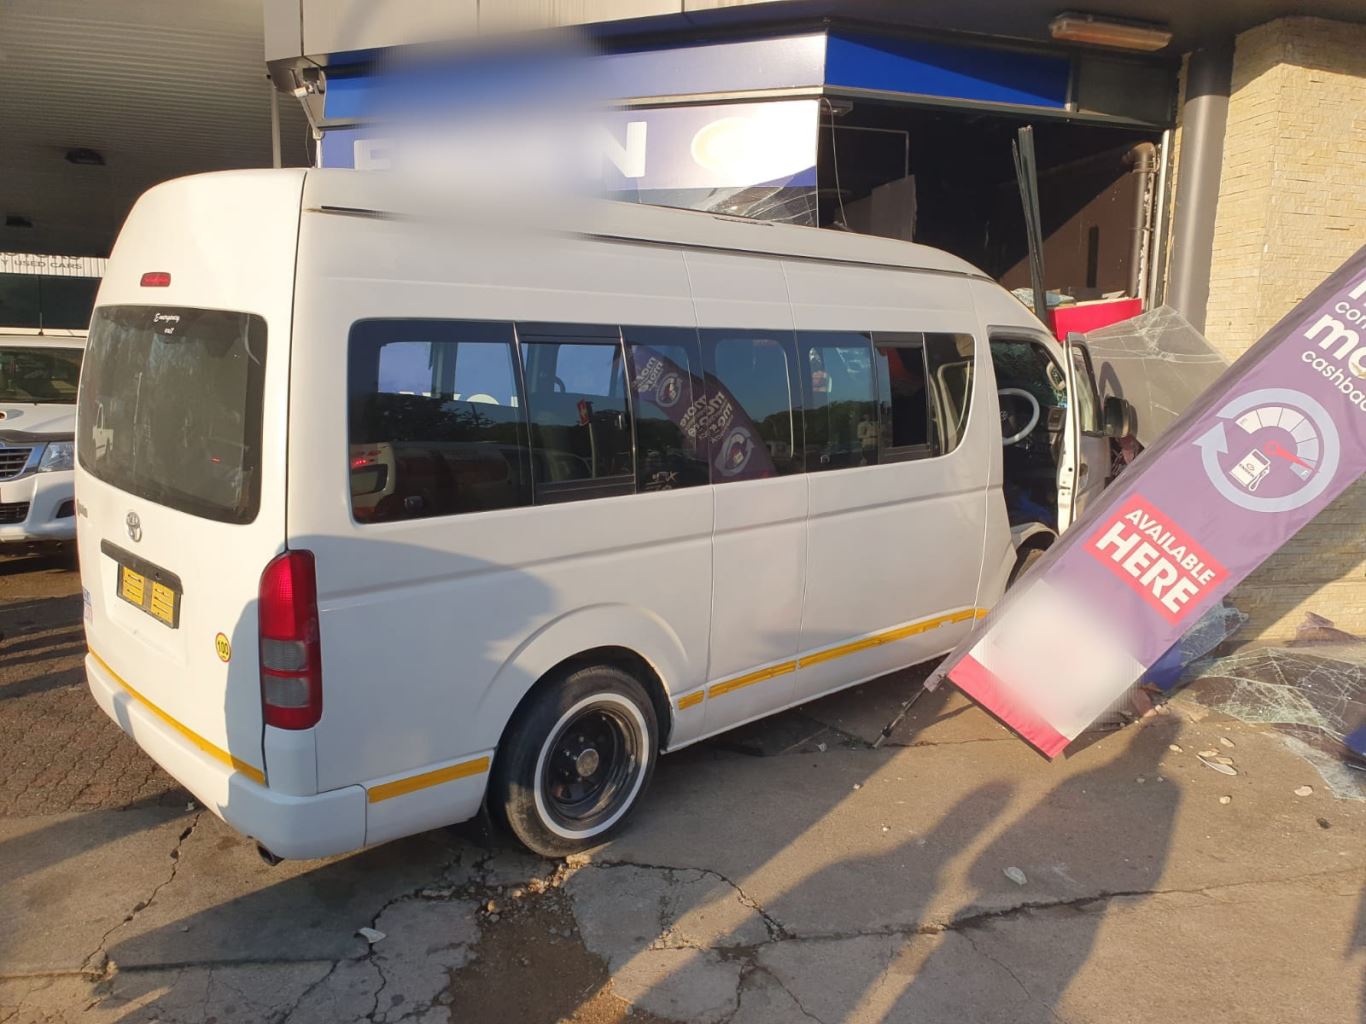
(1292, 207)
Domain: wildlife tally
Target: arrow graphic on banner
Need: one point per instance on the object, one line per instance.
(1214, 442)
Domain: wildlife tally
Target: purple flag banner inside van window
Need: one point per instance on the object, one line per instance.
(708, 415)
(1280, 435)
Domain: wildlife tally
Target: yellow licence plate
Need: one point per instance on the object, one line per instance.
(156, 599)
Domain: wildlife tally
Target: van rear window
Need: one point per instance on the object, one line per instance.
(170, 407)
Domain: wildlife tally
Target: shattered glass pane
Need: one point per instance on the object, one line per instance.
(1159, 363)
(1209, 631)
(1315, 695)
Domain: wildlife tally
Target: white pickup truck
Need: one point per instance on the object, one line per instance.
(39, 372)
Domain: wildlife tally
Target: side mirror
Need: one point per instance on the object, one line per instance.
(1119, 417)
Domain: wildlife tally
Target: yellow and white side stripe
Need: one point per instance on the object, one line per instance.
(823, 654)
(479, 765)
(424, 780)
(197, 741)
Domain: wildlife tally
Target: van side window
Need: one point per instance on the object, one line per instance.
(949, 359)
(924, 392)
(669, 398)
(903, 399)
(752, 417)
(841, 410)
(581, 441)
(435, 420)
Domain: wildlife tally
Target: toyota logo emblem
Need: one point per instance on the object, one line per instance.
(134, 524)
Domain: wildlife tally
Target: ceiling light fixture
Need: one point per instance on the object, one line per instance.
(1074, 27)
(85, 157)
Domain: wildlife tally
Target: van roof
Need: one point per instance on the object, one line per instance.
(380, 194)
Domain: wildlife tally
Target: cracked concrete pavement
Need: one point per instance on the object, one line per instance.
(785, 873)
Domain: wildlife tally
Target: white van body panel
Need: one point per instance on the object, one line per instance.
(760, 526)
(873, 566)
(239, 256)
(510, 593)
(740, 599)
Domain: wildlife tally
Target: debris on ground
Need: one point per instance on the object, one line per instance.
(1226, 741)
(370, 935)
(1315, 629)
(1311, 691)
(1016, 875)
(1208, 753)
(1226, 799)
(1226, 769)
(1176, 748)
(1305, 791)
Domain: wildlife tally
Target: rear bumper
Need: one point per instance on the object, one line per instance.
(29, 508)
(297, 827)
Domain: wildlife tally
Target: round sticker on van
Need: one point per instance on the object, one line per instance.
(223, 647)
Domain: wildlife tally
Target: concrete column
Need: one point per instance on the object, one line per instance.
(1204, 121)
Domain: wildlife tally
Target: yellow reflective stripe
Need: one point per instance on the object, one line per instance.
(433, 778)
(739, 682)
(888, 636)
(830, 654)
(213, 750)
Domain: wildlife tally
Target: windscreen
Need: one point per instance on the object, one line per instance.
(170, 407)
(40, 375)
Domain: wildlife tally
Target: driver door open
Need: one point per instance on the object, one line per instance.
(1085, 460)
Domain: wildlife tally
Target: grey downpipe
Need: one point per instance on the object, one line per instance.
(1204, 123)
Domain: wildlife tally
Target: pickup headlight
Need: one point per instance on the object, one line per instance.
(58, 456)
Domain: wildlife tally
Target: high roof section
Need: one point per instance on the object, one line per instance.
(389, 195)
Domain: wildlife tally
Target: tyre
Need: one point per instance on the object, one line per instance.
(576, 760)
(1026, 562)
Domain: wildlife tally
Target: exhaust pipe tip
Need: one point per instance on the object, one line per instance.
(267, 857)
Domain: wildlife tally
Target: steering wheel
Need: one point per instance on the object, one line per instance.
(1009, 421)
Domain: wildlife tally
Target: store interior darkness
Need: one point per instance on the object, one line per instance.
(967, 199)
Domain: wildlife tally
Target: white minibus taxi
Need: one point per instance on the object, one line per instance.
(384, 518)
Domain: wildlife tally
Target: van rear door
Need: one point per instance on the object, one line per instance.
(180, 438)
(174, 537)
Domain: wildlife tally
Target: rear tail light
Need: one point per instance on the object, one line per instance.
(156, 279)
(291, 651)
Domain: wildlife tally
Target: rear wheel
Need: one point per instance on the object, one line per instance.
(576, 760)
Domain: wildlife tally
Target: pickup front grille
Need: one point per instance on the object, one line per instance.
(13, 511)
(13, 461)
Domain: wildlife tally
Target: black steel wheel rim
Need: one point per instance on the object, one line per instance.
(590, 767)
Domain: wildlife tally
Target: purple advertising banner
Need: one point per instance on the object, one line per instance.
(1280, 435)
